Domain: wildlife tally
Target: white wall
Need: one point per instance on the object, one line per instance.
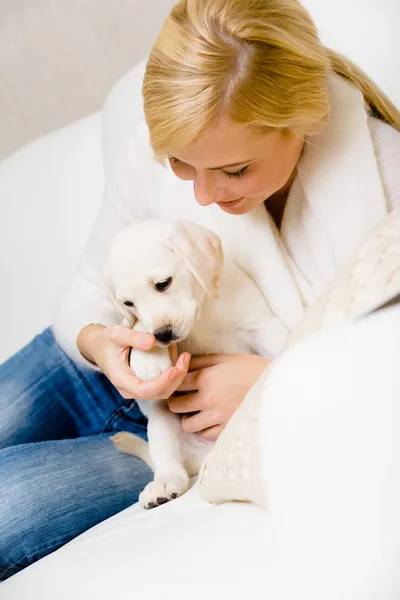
(368, 32)
(58, 58)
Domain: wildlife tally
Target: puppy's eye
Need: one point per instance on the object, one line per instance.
(161, 286)
(129, 303)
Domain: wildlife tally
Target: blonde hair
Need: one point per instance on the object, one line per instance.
(259, 62)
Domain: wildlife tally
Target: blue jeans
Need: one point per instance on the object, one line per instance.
(60, 474)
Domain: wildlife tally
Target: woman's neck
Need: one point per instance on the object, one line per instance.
(276, 203)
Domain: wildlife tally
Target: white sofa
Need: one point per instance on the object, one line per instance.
(50, 192)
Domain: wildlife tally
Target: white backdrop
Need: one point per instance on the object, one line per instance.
(58, 58)
(367, 32)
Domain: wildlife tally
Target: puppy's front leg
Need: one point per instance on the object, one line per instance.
(170, 477)
(150, 363)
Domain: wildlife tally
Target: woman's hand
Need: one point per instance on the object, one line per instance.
(108, 348)
(217, 384)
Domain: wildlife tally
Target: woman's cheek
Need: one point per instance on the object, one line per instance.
(258, 186)
(183, 172)
(265, 185)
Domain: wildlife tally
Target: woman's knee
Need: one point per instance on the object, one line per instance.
(23, 512)
(53, 491)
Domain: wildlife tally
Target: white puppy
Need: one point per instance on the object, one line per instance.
(169, 279)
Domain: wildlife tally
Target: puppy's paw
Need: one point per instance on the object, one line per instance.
(147, 365)
(164, 488)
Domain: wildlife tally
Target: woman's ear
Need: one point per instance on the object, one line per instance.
(129, 318)
(201, 251)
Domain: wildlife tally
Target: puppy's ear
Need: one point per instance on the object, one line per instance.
(201, 251)
(129, 318)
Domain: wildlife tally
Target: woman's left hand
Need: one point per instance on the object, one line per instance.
(217, 384)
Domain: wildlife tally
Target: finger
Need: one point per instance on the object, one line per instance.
(196, 423)
(185, 404)
(181, 371)
(173, 352)
(191, 382)
(127, 380)
(158, 387)
(212, 433)
(207, 360)
(140, 340)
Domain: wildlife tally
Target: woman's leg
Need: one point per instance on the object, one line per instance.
(52, 491)
(44, 396)
(71, 477)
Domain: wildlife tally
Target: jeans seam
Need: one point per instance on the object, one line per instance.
(115, 416)
(111, 419)
(29, 557)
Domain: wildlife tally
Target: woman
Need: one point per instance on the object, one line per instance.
(269, 132)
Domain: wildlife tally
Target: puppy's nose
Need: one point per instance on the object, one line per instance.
(163, 335)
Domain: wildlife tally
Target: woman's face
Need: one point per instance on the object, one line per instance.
(237, 168)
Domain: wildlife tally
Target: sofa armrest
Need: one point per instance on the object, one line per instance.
(51, 192)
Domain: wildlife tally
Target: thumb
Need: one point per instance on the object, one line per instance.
(141, 340)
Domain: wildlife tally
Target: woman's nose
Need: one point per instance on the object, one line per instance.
(205, 190)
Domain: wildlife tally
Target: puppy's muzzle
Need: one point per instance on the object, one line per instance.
(165, 335)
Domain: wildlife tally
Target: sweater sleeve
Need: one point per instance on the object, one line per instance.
(84, 299)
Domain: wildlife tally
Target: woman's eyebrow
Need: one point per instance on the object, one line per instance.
(238, 164)
(232, 165)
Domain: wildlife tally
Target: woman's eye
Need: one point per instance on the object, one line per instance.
(161, 286)
(129, 303)
(237, 173)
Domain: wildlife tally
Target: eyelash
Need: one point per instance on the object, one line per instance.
(235, 175)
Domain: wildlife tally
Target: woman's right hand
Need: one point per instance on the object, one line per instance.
(108, 348)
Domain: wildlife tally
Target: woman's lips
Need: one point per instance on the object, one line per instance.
(230, 204)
